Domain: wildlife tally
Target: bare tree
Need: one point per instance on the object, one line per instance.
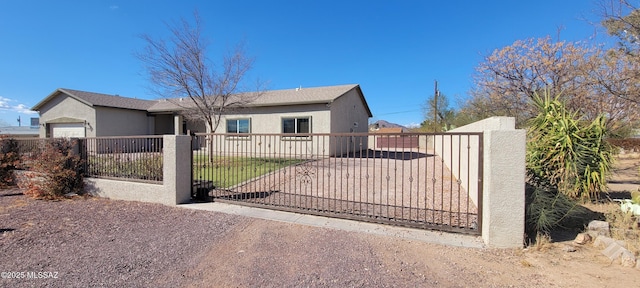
(621, 18)
(180, 70)
(590, 81)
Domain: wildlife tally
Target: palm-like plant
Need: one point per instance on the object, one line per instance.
(565, 152)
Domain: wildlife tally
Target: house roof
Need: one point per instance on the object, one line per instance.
(287, 97)
(99, 99)
(314, 95)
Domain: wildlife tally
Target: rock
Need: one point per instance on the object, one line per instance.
(627, 259)
(602, 241)
(568, 248)
(582, 238)
(614, 250)
(600, 227)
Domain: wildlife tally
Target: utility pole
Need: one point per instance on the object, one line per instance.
(435, 106)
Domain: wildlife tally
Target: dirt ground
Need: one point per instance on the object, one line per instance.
(279, 254)
(101, 242)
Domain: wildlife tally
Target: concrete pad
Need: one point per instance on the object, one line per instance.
(428, 236)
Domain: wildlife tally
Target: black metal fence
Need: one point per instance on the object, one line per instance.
(420, 180)
(137, 158)
(131, 158)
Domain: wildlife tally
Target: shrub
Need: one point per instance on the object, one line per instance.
(59, 170)
(143, 167)
(9, 159)
(567, 161)
(567, 153)
(547, 209)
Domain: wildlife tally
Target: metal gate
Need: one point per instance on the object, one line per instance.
(436, 184)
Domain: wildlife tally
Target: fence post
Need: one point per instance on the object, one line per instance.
(176, 168)
(503, 183)
(503, 190)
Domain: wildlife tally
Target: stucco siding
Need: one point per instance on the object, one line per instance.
(269, 119)
(64, 106)
(348, 114)
(120, 122)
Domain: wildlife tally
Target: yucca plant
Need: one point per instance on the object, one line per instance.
(565, 152)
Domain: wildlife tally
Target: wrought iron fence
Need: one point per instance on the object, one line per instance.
(137, 158)
(28, 146)
(131, 158)
(419, 180)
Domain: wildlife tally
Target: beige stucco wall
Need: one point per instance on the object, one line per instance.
(269, 119)
(176, 184)
(120, 122)
(64, 106)
(503, 181)
(348, 114)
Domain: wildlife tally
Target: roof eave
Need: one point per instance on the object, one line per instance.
(55, 94)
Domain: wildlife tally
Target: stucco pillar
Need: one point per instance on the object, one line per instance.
(503, 211)
(176, 169)
(177, 124)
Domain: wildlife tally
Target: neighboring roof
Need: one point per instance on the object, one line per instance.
(389, 130)
(19, 130)
(99, 99)
(296, 96)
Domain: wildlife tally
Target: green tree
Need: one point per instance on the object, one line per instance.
(438, 115)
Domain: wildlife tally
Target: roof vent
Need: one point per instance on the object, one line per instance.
(299, 88)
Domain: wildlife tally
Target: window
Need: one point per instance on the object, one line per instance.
(240, 126)
(296, 125)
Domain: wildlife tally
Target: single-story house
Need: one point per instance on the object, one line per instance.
(329, 109)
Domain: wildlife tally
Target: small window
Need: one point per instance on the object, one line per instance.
(296, 125)
(239, 126)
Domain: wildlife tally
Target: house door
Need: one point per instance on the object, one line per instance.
(67, 130)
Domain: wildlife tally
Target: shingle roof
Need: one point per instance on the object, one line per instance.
(313, 95)
(296, 96)
(99, 99)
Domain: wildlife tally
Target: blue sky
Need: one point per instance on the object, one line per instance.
(394, 49)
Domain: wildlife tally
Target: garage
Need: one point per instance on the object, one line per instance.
(67, 130)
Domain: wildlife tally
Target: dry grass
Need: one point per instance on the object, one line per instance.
(624, 226)
(542, 243)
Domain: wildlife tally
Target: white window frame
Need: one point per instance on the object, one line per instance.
(237, 133)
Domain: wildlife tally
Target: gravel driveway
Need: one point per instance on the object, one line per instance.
(88, 242)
